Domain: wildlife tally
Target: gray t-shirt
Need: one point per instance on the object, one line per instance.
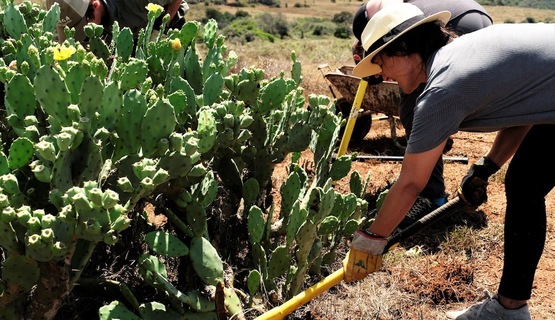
(497, 77)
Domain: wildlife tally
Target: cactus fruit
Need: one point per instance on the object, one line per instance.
(10, 183)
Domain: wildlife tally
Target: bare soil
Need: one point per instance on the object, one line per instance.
(446, 266)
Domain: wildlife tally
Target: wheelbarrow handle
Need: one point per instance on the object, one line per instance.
(362, 85)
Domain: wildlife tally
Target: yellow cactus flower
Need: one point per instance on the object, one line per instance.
(63, 53)
(176, 44)
(152, 7)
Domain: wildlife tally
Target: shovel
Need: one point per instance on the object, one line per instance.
(302, 298)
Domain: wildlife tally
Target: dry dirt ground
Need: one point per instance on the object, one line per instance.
(446, 266)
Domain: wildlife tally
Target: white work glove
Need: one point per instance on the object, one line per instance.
(364, 256)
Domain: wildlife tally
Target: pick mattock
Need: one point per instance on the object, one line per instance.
(300, 299)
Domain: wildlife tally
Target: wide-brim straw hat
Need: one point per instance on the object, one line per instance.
(385, 26)
(360, 19)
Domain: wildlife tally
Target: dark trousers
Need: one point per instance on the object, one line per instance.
(530, 177)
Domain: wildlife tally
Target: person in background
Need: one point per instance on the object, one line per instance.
(466, 16)
(498, 79)
(128, 13)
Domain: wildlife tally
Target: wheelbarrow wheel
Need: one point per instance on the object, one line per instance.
(363, 123)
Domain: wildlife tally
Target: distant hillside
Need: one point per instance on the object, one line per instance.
(537, 4)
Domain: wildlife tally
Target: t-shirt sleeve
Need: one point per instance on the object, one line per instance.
(437, 115)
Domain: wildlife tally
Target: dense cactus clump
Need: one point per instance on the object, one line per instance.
(93, 134)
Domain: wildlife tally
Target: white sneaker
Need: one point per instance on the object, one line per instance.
(490, 310)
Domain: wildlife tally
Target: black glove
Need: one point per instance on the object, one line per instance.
(473, 188)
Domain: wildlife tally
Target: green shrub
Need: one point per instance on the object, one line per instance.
(223, 19)
(344, 17)
(342, 32)
(273, 24)
(313, 26)
(245, 30)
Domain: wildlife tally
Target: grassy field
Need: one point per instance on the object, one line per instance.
(328, 8)
(330, 51)
(325, 51)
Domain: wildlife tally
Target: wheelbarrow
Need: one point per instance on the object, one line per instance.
(381, 100)
(360, 102)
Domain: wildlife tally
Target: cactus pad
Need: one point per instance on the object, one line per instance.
(20, 271)
(166, 244)
(206, 261)
(116, 310)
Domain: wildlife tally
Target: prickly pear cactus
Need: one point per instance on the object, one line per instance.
(94, 133)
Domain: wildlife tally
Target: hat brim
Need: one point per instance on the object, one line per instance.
(366, 68)
(79, 31)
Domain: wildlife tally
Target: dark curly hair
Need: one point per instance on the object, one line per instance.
(423, 40)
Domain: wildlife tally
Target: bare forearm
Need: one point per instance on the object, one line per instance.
(172, 8)
(415, 172)
(506, 143)
(398, 202)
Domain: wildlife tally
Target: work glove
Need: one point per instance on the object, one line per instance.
(473, 188)
(364, 256)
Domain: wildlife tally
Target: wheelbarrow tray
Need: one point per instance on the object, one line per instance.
(380, 98)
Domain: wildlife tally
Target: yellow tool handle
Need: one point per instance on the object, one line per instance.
(352, 117)
(281, 311)
(292, 304)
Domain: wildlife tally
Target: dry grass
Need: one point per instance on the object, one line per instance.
(329, 51)
(327, 9)
(275, 58)
(503, 14)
